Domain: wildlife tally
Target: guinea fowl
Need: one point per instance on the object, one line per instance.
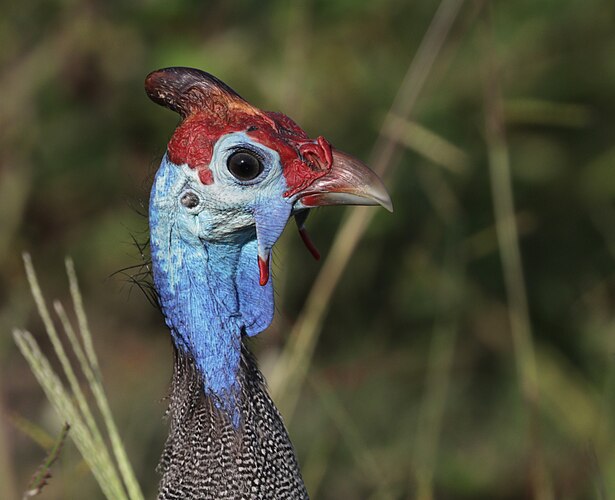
(230, 180)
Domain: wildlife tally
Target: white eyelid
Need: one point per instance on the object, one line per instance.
(237, 141)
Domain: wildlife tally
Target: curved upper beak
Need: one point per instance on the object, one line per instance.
(348, 182)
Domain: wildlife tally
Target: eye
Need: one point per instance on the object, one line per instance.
(189, 199)
(244, 165)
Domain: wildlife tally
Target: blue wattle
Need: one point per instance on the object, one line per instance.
(209, 291)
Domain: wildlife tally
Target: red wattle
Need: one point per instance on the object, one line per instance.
(263, 267)
(309, 243)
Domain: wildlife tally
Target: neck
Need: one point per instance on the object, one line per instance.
(227, 439)
(210, 296)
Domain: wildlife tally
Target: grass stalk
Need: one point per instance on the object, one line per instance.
(98, 461)
(42, 475)
(60, 352)
(432, 408)
(116, 479)
(33, 431)
(450, 301)
(289, 375)
(7, 482)
(512, 268)
(428, 144)
(93, 375)
(316, 462)
(367, 462)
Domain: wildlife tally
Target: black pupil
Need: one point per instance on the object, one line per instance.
(244, 165)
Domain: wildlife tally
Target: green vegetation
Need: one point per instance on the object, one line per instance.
(461, 347)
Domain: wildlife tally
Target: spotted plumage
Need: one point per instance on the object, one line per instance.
(206, 457)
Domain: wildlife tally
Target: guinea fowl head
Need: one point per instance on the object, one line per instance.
(232, 177)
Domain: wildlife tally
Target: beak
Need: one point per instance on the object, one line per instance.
(348, 182)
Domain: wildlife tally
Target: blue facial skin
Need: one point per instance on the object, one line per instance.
(205, 263)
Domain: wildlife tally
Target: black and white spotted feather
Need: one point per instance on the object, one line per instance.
(205, 457)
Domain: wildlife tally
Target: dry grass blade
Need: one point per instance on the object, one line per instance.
(95, 381)
(7, 475)
(316, 462)
(116, 481)
(512, 267)
(540, 112)
(450, 302)
(60, 352)
(33, 431)
(84, 329)
(432, 408)
(366, 461)
(428, 144)
(97, 459)
(289, 374)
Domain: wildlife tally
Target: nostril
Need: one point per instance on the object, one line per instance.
(189, 199)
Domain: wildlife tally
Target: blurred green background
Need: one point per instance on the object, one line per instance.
(468, 349)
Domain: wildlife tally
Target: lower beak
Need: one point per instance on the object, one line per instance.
(348, 182)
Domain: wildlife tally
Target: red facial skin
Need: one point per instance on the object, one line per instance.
(303, 159)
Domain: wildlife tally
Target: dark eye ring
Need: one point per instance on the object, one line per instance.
(189, 199)
(244, 165)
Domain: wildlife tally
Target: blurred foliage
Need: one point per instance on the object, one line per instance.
(414, 388)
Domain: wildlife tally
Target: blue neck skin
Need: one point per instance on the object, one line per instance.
(209, 291)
